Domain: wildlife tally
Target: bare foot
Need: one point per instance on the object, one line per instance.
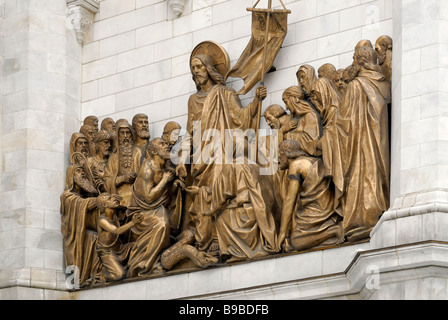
(203, 260)
(214, 248)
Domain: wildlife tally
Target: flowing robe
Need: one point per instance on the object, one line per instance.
(218, 111)
(315, 222)
(367, 169)
(114, 170)
(245, 229)
(209, 116)
(308, 133)
(150, 236)
(334, 139)
(309, 128)
(79, 240)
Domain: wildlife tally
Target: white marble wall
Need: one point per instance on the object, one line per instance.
(41, 91)
(419, 209)
(416, 272)
(320, 31)
(420, 93)
(136, 57)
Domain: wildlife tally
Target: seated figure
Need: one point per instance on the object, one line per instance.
(244, 227)
(151, 196)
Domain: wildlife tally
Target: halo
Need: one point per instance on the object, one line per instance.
(218, 54)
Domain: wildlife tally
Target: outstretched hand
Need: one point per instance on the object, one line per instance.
(137, 218)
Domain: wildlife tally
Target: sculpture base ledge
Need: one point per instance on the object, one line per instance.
(417, 270)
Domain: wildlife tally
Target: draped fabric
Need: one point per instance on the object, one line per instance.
(218, 111)
(79, 242)
(250, 64)
(114, 168)
(150, 236)
(245, 228)
(315, 222)
(309, 128)
(335, 137)
(210, 115)
(309, 77)
(367, 156)
(113, 171)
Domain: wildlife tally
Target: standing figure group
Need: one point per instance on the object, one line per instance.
(135, 206)
(337, 191)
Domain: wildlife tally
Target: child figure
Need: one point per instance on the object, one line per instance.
(112, 252)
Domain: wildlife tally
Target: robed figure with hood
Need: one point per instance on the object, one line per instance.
(78, 225)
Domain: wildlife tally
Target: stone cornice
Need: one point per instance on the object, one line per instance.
(91, 5)
(366, 275)
(411, 211)
(81, 14)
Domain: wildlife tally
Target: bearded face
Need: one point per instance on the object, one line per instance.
(173, 137)
(82, 146)
(104, 148)
(92, 121)
(125, 136)
(163, 150)
(158, 147)
(272, 121)
(304, 82)
(81, 180)
(339, 81)
(199, 71)
(282, 160)
(109, 125)
(94, 124)
(125, 146)
(141, 127)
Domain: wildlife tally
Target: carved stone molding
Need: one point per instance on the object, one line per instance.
(177, 6)
(81, 14)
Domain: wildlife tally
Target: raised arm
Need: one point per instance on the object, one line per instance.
(260, 96)
(109, 227)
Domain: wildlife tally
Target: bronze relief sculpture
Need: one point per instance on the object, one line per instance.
(366, 163)
(138, 207)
